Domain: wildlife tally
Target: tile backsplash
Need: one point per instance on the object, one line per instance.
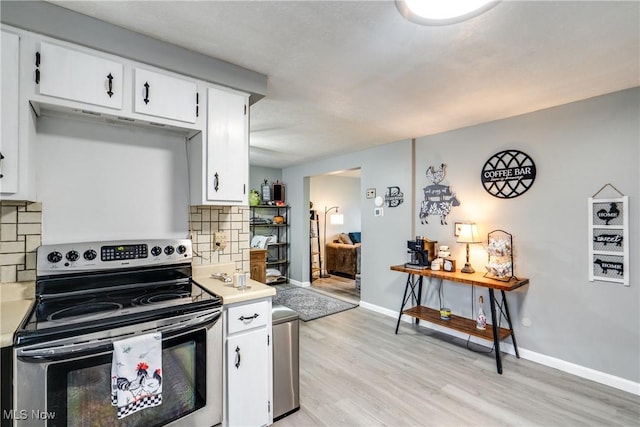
(20, 236)
(204, 221)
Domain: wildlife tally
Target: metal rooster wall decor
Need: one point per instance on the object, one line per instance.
(438, 198)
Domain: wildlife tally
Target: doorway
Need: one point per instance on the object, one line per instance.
(333, 195)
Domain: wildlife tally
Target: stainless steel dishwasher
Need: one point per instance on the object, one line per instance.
(286, 365)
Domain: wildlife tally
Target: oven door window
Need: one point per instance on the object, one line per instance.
(79, 391)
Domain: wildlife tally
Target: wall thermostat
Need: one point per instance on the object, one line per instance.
(379, 201)
(371, 193)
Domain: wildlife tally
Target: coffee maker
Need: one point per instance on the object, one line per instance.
(421, 252)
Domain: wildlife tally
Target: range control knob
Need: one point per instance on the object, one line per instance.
(169, 250)
(181, 249)
(90, 255)
(156, 250)
(54, 257)
(72, 256)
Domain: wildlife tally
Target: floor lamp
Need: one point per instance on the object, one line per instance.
(336, 219)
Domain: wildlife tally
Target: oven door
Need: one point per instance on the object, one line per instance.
(67, 383)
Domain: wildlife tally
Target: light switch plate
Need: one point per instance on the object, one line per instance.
(378, 212)
(371, 193)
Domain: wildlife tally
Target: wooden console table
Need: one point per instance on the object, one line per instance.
(462, 324)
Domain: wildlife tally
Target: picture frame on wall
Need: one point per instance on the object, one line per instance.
(608, 240)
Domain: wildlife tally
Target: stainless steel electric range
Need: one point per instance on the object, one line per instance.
(89, 295)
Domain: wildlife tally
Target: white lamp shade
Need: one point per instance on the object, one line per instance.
(468, 233)
(336, 219)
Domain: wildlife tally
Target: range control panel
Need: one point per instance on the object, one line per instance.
(86, 256)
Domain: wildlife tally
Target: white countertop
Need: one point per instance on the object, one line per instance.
(15, 301)
(228, 293)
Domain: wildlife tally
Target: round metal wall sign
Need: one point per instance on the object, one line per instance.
(508, 174)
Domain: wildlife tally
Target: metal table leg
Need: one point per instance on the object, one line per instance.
(508, 316)
(410, 289)
(496, 332)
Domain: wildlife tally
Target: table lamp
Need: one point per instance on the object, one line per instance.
(468, 234)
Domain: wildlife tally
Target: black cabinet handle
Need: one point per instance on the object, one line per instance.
(242, 318)
(37, 66)
(146, 92)
(110, 91)
(216, 181)
(238, 358)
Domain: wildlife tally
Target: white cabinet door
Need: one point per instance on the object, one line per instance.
(165, 96)
(248, 379)
(227, 147)
(77, 76)
(9, 121)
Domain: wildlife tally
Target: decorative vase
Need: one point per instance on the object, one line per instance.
(254, 198)
(481, 320)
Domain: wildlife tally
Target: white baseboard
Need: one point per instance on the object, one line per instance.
(300, 284)
(552, 362)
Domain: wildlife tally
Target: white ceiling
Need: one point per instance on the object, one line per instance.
(347, 75)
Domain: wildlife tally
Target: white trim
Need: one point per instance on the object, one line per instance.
(300, 284)
(542, 359)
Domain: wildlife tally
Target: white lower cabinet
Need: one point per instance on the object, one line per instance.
(248, 364)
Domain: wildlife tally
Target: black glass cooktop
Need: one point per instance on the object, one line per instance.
(91, 303)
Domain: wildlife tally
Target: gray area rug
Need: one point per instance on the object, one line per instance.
(309, 304)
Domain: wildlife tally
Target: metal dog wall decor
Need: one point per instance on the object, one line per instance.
(438, 198)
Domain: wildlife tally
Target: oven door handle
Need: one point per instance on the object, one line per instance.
(94, 348)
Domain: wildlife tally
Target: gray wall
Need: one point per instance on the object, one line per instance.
(577, 148)
(257, 175)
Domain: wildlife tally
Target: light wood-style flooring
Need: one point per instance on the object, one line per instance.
(339, 287)
(354, 371)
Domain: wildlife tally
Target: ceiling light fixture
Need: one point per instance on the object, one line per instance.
(442, 12)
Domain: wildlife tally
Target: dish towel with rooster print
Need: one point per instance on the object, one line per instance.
(136, 373)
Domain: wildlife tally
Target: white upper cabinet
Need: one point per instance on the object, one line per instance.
(165, 96)
(9, 143)
(77, 76)
(227, 159)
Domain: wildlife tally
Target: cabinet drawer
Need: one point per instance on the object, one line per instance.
(247, 316)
